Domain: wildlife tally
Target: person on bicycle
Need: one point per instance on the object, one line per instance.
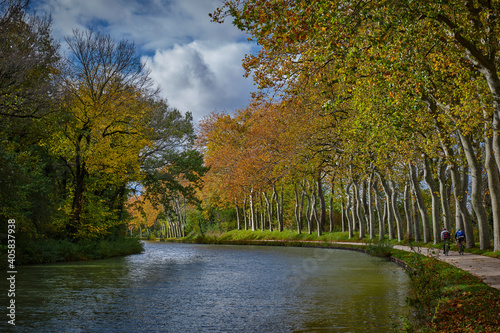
(460, 237)
(445, 238)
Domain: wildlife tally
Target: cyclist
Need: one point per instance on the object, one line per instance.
(460, 238)
(445, 238)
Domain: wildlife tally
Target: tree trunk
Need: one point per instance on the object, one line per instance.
(322, 216)
(299, 206)
(496, 135)
(348, 217)
(494, 187)
(343, 208)
(416, 225)
(269, 211)
(459, 223)
(364, 202)
(444, 193)
(331, 213)
(390, 210)
(311, 209)
(436, 211)
(342, 216)
(245, 220)
(279, 207)
(397, 215)
(354, 213)
(238, 224)
(262, 214)
(359, 213)
(252, 211)
(381, 220)
(371, 213)
(420, 203)
(408, 214)
(477, 192)
(459, 181)
(460, 199)
(309, 214)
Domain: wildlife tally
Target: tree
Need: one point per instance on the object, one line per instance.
(29, 65)
(107, 114)
(417, 77)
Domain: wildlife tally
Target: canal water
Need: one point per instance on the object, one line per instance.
(213, 288)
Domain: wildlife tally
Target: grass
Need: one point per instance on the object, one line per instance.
(443, 297)
(448, 299)
(237, 235)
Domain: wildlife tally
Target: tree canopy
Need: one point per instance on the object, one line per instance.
(385, 87)
(82, 130)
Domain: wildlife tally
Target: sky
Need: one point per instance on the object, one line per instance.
(196, 63)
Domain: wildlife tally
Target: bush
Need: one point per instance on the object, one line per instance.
(380, 249)
(426, 283)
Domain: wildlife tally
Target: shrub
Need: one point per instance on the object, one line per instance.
(427, 284)
(380, 249)
(42, 251)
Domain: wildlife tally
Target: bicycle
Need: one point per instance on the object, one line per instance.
(461, 246)
(446, 247)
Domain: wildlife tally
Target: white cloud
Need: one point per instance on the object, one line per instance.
(202, 78)
(152, 24)
(196, 62)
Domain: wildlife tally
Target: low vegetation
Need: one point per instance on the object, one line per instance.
(43, 251)
(448, 299)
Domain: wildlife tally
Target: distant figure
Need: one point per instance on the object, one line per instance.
(460, 238)
(460, 235)
(445, 238)
(445, 234)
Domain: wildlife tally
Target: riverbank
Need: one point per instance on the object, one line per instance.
(45, 251)
(445, 298)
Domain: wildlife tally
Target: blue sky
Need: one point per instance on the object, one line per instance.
(196, 63)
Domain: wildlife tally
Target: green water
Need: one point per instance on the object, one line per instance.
(211, 288)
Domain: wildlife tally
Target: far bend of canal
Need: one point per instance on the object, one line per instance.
(213, 288)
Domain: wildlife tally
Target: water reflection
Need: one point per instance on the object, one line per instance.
(207, 288)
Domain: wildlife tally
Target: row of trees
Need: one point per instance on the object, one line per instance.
(80, 131)
(392, 107)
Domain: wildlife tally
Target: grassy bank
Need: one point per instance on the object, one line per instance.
(448, 299)
(43, 251)
(443, 298)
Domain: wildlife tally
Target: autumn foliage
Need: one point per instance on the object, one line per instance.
(373, 98)
(81, 131)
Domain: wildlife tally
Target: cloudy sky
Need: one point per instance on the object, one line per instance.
(197, 63)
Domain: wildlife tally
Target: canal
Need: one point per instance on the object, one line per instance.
(175, 287)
